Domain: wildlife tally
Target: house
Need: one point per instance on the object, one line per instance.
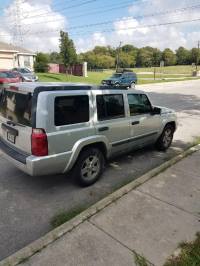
(13, 56)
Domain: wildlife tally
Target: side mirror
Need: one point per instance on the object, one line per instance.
(156, 111)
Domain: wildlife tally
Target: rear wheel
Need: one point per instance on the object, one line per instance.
(89, 166)
(165, 140)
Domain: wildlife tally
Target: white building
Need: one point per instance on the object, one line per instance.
(12, 56)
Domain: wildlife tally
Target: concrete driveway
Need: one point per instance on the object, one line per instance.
(27, 204)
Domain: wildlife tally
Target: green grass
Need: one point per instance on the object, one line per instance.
(140, 261)
(64, 216)
(189, 254)
(96, 77)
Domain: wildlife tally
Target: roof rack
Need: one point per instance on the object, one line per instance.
(123, 70)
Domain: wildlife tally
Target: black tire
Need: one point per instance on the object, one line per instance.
(117, 84)
(132, 85)
(165, 140)
(89, 166)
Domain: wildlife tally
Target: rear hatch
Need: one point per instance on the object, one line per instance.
(15, 118)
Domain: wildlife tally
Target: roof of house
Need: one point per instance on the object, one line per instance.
(9, 47)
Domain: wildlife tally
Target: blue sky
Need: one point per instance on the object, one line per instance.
(41, 21)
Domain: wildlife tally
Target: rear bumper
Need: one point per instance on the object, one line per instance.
(36, 166)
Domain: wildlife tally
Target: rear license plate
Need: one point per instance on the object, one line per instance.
(11, 137)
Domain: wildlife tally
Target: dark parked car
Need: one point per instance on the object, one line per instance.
(25, 74)
(125, 79)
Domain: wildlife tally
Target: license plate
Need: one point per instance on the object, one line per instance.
(11, 137)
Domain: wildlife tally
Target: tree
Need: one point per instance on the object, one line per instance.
(157, 57)
(194, 54)
(182, 56)
(169, 57)
(41, 63)
(67, 49)
(126, 60)
(144, 57)
(55, 58)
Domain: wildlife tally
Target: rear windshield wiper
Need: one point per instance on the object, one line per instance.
(11, 123)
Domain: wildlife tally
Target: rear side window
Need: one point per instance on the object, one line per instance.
(16, 107)
(110, 106)
(71, 110)
(139, 104)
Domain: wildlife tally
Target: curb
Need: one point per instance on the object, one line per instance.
(55, 234)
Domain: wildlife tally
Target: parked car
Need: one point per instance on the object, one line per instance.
(125, 79)
(25, 74)
(7, 76)
(50, 128)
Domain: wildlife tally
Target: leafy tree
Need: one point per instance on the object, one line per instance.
(194, 54)
(41, 63)
(156, 57)
(169, 57)
(126, 60)
(67, 49)
(55, 58)
(182, 56)
(105, 61)
(144, 57)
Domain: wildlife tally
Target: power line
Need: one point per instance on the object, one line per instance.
(183, 9)
(137, 17)
(85, 14)
(64, 8)
(122, 29)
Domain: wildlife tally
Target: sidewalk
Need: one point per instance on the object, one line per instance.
(150, 221)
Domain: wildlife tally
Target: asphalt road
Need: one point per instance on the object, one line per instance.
(27, 204)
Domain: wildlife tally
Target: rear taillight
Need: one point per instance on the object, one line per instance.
(39, 142)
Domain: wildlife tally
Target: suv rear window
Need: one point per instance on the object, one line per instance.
(71, 110)
(16, 107)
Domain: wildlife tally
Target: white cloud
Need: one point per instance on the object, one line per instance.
(34, 17)
(86, 44)
(132, 29)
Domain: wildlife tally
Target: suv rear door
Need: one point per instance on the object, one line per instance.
(15, 119)
(144, 126)
(111, 119)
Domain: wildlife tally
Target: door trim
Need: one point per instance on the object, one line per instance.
(133, 139)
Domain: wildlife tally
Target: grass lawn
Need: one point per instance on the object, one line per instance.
(173, 73)
(189, 254)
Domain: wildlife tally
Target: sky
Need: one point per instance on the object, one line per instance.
(35, 24)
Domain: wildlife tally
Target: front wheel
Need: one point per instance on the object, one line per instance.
(132, 86)
(165, 140)
(89, 166)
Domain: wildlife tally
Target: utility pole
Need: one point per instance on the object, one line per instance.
(197, 59)
(117, 57)
(17, 28)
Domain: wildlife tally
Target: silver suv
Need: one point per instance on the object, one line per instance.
(50, 128)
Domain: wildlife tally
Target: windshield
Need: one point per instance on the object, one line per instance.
(116, 75)
(24, 71)
(6, 74)
(16, 107)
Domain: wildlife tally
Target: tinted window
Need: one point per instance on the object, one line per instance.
(139, 104)
(16, 107)
(71, 110)
(6, 75)
(110, 106)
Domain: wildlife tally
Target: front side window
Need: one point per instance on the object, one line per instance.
(139, 104)
(110, 106)
(71, 110)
